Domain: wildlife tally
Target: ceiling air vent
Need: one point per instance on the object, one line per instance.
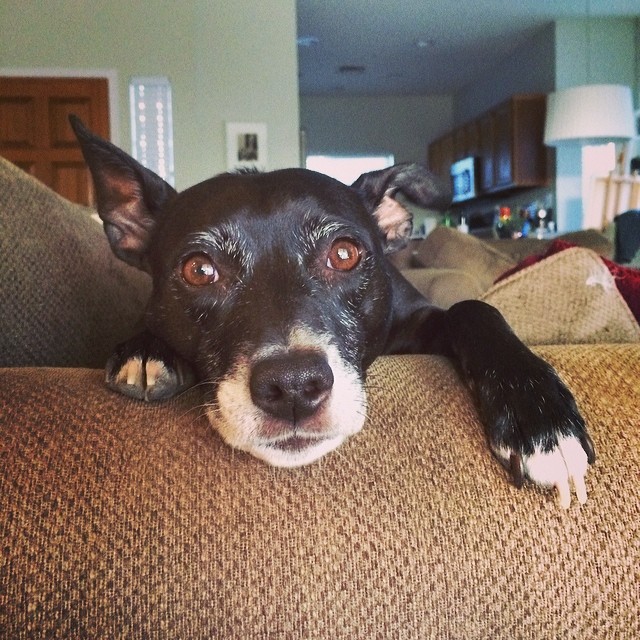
(352, 69)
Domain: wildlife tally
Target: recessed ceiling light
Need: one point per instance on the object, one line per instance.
(352, 69)
(425, 42)
(307, 41)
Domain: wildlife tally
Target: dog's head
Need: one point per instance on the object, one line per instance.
(274, 285)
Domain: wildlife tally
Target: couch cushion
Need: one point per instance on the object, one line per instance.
(521, 248)
(121, 519)
(447, 248)
(569, 297)
(444, 287)
(65, 299)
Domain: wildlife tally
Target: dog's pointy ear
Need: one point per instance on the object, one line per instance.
(129, 196)
(379, 188)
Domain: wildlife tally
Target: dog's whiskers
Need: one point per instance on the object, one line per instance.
(200, 408)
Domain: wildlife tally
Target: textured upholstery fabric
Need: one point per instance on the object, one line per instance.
(449, 266)
(521, 248)
(65, 300)
(444, 287)
(446, 248)
(568, 298)
(125, 520)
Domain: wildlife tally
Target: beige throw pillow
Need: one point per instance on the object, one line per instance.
(567, 298)
(447, 248)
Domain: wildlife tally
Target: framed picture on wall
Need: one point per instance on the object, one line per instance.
(246, 145)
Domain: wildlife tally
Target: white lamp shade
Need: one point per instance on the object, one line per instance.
(590, 114)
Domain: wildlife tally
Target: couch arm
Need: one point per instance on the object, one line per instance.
(120, 519)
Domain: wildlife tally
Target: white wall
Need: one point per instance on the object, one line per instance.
(401, 125)
(226, 61)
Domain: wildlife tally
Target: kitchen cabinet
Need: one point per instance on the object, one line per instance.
(508, 140)
(486, 154)
(459, 144)
(466, 141)
(472, 137)
(504, 142)
(441, 156)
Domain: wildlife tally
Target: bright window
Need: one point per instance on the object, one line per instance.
(348, 168)
(152, 125)
(597, 160)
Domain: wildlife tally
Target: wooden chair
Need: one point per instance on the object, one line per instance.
(615, 194)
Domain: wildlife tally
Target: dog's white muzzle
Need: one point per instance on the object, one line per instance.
(245, 426)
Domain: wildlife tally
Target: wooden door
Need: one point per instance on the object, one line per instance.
(35, 133)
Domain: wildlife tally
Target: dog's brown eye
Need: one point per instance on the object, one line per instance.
(198, 270)
(344, 255)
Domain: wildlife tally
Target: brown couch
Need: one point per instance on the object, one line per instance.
(449, 266)
(125, 520)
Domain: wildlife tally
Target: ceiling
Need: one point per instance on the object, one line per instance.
(420, 47)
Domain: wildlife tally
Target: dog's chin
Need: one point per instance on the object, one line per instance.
(295, 451)
(289, 449)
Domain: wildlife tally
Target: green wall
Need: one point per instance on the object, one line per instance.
(227, 61)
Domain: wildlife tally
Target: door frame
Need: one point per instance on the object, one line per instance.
(111, 75)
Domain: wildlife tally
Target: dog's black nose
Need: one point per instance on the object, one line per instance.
(291, 386)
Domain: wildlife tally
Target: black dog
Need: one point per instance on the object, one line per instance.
(275, 290)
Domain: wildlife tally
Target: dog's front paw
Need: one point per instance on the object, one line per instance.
(536, 430)
(563, 466)
(147, 369)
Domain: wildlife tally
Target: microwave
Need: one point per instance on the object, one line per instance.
(464, 179)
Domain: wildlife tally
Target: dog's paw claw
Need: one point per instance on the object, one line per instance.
(517, 469)
(563, 467)
(146, 377)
